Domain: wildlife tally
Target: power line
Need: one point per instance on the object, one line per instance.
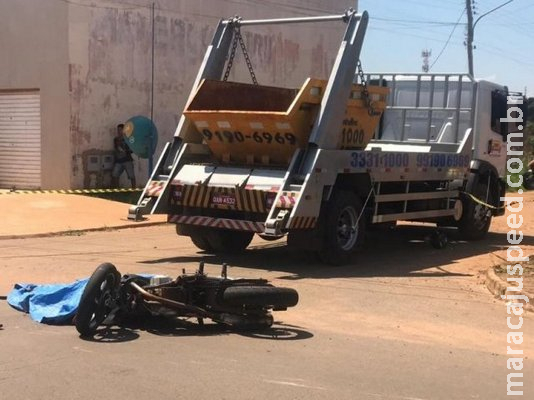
(433, 4)
(438, 29)
(430, 38)
(448, 39)
(499, 51)
(414, 21)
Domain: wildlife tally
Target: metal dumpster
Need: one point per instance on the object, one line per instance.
(252, 124)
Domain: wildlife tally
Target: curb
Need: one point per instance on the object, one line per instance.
(73, 232)
(499, 288)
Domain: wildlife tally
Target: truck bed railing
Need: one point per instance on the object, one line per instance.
(426, 108)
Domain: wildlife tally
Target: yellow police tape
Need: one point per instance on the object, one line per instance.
(70, 191)
(477, 200)
(126, 190)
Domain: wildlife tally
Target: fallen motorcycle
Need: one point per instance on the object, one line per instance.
(237, 303)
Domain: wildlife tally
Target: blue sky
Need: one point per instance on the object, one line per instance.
(400, 29)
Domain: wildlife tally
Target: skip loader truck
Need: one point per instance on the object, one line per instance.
(323, 163)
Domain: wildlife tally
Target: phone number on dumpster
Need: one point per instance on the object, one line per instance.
(258, 137)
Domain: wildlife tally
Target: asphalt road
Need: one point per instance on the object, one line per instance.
(405, 321)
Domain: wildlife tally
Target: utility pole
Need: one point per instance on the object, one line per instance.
(470, 34)
(471, 30)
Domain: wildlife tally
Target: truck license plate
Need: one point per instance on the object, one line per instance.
(223, 199)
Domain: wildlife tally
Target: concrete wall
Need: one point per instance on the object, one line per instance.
(110, 47)
(92, 61)
(34, 55)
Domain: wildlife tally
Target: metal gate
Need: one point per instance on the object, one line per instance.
(20, 140)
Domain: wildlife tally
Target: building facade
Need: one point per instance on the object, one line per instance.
(72, 70)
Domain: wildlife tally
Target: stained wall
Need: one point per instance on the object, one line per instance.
(93, 61)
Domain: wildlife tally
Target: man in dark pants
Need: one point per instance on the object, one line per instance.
(123, 159)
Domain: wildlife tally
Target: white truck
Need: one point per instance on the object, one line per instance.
(322, 163)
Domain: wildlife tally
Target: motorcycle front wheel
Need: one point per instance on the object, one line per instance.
(97, 299)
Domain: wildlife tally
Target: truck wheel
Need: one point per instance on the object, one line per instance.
(200, 239)
(197, 234)
(344, 228)
(476, 218)
(260, 296)
(97, 298)
(227, 241)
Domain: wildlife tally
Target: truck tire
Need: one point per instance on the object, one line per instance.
(228, 241)
(343, 228)
(197, 234)
(200, 240)
(95, 301)
(260, 296)
(476, 218)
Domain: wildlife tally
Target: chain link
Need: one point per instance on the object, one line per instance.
(247, 58)
(239, 38)
(230, 59)
(370, 110)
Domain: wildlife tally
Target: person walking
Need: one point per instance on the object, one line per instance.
(123, 160)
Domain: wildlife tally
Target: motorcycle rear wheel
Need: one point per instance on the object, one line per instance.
(260, 296)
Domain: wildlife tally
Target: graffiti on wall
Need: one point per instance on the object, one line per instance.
(114, 81)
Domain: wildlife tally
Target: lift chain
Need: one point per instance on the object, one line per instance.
(239, 38)
(370, 110)
(230, 59)
(247, 58)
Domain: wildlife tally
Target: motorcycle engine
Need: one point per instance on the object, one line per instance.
(159, 279)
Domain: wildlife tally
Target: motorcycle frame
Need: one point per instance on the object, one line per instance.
(190, 283)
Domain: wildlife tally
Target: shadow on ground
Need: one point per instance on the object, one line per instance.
(174, 327)
(399, 252)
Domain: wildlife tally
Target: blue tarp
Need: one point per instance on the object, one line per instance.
(48, 304)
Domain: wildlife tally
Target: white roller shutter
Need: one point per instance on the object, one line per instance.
(20, 140)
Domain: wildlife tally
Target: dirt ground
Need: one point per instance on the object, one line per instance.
(528, 274)
(528, 231)
(403, 321)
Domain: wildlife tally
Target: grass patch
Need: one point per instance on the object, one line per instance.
(73, 233)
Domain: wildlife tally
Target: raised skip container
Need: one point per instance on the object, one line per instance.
(252, 124)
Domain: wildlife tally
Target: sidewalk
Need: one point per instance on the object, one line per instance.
(38, 214)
